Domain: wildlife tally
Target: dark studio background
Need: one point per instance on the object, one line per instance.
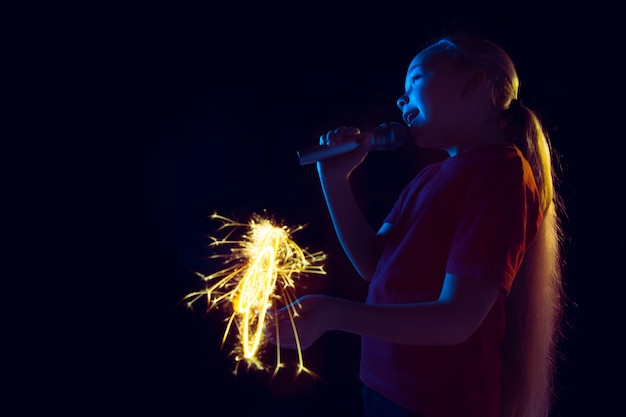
(133, 124)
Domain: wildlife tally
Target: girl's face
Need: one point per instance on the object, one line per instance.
(434, 105)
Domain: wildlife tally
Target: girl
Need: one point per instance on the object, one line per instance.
(464, 300)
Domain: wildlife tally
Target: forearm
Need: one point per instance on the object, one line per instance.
(355, 234)
(430, 323)
(460, 309)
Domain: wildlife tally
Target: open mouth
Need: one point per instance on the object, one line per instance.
(410, 116)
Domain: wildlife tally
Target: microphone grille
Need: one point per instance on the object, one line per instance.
(389, 136)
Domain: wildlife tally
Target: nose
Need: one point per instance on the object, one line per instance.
(402, 101)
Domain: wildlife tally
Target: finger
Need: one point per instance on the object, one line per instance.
(324, 139)
(343, 131)
(336, 135)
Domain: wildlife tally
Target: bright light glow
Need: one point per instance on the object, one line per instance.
(258, 279)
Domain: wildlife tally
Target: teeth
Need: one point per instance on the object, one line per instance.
(410, 116)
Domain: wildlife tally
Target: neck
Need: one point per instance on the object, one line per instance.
(476, 139)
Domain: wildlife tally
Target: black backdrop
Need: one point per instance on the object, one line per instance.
(131, 125)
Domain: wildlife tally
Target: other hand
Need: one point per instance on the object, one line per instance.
(311, 317)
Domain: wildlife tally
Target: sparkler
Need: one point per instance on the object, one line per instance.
(258, 278)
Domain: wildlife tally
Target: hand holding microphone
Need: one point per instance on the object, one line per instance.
(386, 136)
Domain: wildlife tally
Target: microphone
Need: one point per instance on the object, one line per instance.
(387, 136)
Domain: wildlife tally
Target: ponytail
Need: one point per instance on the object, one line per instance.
(534, 305)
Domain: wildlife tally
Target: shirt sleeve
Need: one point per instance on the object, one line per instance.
(392, 217)
(493, 230)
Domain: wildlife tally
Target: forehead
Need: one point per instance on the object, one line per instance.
(429, 58)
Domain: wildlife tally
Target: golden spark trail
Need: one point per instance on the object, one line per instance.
(258, 278)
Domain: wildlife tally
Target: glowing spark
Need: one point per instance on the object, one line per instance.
(258, 278)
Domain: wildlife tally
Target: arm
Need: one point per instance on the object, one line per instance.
(360, 243)
(358, 240)
(461, 307)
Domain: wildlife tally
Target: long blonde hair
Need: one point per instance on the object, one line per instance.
(534, 305)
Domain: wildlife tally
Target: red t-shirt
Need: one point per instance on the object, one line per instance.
(472, 215)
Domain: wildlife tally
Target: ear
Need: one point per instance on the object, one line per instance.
(476, 80)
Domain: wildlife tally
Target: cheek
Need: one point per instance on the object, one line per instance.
(433, 103)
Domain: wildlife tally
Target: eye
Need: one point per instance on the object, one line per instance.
(415, 77)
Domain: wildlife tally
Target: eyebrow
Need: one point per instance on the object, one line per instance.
(420, 66)
(414, 67)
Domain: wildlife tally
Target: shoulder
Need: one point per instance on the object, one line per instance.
(497, 166)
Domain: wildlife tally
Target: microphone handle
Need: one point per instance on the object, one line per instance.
(318, 153)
